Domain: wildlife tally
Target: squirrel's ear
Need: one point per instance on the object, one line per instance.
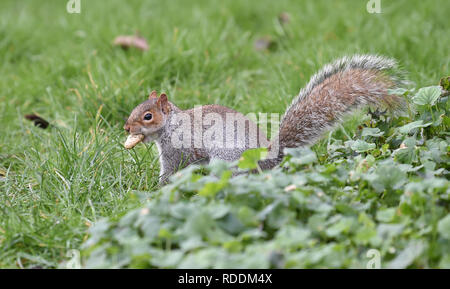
(163, 103)
(153, 94)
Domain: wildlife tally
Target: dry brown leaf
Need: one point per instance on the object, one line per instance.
(126, 41)
(37, 120)
(284, 18)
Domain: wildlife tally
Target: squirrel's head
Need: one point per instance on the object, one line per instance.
(149, 117)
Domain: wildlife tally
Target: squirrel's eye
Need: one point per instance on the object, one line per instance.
(148, 116)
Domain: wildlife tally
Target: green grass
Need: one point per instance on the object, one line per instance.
(55, 183)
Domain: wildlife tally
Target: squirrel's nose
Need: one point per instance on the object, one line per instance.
(127, 127)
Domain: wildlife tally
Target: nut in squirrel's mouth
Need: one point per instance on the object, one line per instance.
(133, 140)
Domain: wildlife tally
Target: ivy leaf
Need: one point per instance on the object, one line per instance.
(399, 91)
(408, 255)
(412, 125)
(444, 227)
(361, 146)
(368, 131)
(427, 95)
(406, 154)
(210, 189)
(292, 236)
(386, 215)
(364, 235)
(387, 177)
(342, 226)
(302, 156)
(250, 158)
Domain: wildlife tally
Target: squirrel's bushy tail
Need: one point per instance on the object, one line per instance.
(337, 89)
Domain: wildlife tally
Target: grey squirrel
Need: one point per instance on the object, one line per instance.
(337, 89)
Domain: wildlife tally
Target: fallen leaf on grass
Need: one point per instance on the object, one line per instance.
(265, 43)
(284, 18)
(37, 120)
(127, 41)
